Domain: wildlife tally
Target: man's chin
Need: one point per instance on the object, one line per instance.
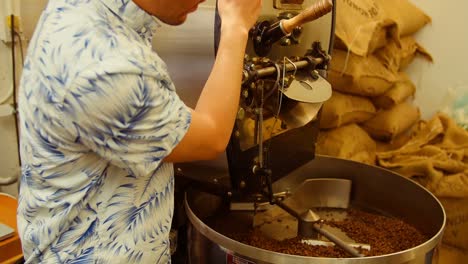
(175, 21)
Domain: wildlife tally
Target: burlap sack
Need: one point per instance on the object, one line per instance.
(456, 229)
(438, 170)
(388, 124)
(347, 142)
(408, 17)
(362, 26)
(436, 156)
(378, 41)
(396, 57)
(292, 1)
(342, 109)
(364, 76)
(452, 255)
(395, 143)
(398, 93)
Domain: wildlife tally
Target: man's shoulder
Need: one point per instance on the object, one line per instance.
(83, 45)
(90, 36)
(88, 29)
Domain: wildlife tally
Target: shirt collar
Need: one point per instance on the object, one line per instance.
(133, 16)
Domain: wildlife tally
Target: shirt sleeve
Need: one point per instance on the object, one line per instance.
(132, 120)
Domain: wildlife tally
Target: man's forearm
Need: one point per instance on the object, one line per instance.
(220, 97)
(213, 118)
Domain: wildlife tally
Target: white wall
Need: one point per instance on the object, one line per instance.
(8, 147)
(447, 40)
(29, 11)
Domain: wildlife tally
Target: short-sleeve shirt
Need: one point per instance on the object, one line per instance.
(98, 114)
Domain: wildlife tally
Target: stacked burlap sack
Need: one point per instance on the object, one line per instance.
(370, 107)
(436, 156)
(371, 118)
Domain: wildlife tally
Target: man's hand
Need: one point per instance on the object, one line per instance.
(239, 15)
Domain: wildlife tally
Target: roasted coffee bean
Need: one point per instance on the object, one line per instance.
(385, 235)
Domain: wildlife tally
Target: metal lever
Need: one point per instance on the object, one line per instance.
(312, 13)
(265, 33)
(307, 224)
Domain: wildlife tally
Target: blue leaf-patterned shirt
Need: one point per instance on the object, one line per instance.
(98, 114)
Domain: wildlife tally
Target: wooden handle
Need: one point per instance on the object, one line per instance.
(314, 12)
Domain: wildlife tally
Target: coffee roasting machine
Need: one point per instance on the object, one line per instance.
(270, 162)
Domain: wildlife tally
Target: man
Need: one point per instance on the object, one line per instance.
(101, 124)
